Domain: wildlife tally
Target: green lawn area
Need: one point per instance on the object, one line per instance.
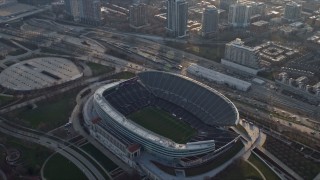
(164, 124)
(306, 168)
(239, 170)
(214, 53)
(123, 75)
(5, 100)
(53, 51)
(100, 157)
(17, 52)
(60, 168)
(27, 45)
(267, 75)
(48, 115)
(266, 171)
(32, 156)
(98, 69)
(9, 63)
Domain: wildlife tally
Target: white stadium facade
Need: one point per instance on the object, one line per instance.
(203, 108)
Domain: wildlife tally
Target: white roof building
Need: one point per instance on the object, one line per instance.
(218, 77)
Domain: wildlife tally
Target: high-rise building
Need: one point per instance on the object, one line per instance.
(35, 2)
(73, 8)
(177, 18)
(225, 4)
(259, 8)
(239, 15)
(292, 11)
(86, 11)
(138, 15)
(210, 21)
(238, 53)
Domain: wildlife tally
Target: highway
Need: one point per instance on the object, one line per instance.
(258, 91)
(61, 147)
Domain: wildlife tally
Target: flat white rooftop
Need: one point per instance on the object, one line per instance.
(218, 77)
(39, 73)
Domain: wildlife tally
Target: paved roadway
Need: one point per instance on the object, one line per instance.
(81, 162)
(260, 92)
(264, 115)
(258, 140)
(37, 99)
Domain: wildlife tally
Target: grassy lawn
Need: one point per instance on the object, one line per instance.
(239, 170)
(123, 75)
(17, 52)
(266, 171)
(164, 124)
(53, 51)
(306, 168)
(98, 69)
(27, 45)
(32, 156)
(5, 100)
(48, 115)
(267, 75)
(100, 157)
(9, 63)
(214, 53)
(60, 168)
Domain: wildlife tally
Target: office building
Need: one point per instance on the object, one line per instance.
(138, 15)
(35, 2)
(292, 11)
(259, 8)
(239, 15)
(225, 4)
(86, 11)
(177, 18)
(210, 21)
(242, 57)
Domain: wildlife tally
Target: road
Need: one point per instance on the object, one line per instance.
(37, 99)
(63, 148)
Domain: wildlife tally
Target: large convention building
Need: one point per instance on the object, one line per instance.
(108, 118)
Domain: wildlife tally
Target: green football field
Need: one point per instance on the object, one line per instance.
(164, 124)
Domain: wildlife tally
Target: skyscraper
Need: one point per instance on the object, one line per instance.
(239, 15)
(86, 11)
(73, 8)
(177, 18)
(292, 11)
(210, 21)
(138, 15)
(225, 4)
